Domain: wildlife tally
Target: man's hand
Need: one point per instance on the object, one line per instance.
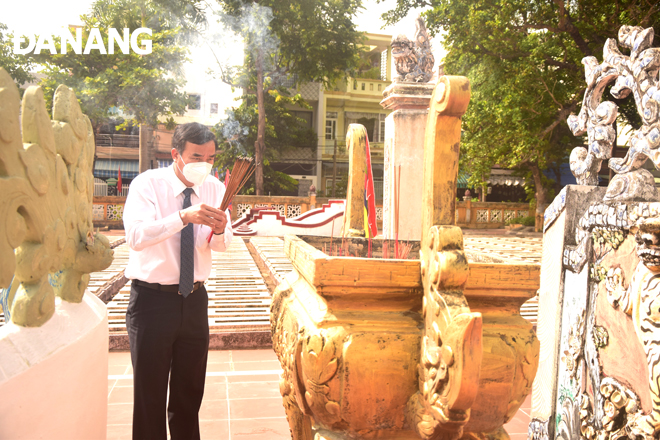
(203, 214)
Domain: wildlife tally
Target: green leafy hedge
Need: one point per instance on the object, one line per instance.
(525, 221)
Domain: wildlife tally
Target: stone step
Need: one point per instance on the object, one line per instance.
(239, 300)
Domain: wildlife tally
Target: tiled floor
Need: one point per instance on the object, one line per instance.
(241, 400)
(517, 427)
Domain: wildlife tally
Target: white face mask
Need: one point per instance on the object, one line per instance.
(195, 172)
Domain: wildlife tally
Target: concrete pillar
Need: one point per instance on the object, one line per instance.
(404, 147)
(53, 378)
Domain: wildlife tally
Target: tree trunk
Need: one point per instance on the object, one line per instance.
(541, 196)
(145, 148)
(260, 144)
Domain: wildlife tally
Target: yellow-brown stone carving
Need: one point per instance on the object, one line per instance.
(356, 138)
(433, 348)
(451, 345)
(46, 189)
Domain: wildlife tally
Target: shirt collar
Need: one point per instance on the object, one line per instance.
(177, 185)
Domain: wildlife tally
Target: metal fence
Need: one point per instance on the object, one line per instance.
(101, 189)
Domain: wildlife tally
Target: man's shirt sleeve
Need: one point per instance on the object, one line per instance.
(141, 225)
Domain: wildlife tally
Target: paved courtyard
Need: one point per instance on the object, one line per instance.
(241, 400)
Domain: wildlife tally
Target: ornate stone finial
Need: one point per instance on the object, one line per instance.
(413, 59)
(638, 73)
(46, 190)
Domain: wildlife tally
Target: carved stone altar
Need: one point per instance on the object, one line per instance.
(54, 349)
(405, 348)
(599, 306)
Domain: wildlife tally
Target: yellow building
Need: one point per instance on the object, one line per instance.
(356, 100)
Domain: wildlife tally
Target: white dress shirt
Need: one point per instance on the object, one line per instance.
(153, 226)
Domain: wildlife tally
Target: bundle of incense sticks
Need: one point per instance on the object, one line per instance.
(242, 171)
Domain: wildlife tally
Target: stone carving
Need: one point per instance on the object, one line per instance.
(347, 328)
(641, 300)
(287, 344)
(47, 187)
(319, 365)
(451, 345)
(600, 406)
(573, 354)
(413, 59)
(636, 73)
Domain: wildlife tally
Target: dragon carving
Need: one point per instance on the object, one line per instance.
(46, 189)
(413, 59)
(636, 73)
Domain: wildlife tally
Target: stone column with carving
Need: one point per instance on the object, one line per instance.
(54, 346)
(599, 299)
(404, 148)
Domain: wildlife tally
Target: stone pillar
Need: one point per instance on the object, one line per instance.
(404, 146)
(56, 374)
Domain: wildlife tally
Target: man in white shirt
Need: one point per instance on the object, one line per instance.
(168, 218)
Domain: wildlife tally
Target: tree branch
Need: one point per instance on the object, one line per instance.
(538, 26)
(561, 117)
(552, 62)
(549, 92)
(566, 25)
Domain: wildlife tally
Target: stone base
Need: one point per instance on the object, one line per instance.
(218, 341)
(409, 96)
(53, 378)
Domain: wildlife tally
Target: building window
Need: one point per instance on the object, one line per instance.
(371, 87)
(363, 86)
(195, 102)
(214, 108)
(383, 65)
(354, 85)
(381, 132)
(330, 129)
(379, 85)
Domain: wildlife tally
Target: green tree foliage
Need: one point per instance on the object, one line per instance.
(523, 59)
(283, 131)
(18, 66)
(297, 40)
(145, 86)
(317, 39)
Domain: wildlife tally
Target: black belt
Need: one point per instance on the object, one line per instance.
(170, 288)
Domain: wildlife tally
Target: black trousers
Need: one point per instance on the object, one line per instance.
(169, 340)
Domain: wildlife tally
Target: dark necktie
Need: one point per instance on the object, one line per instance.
(187, 271)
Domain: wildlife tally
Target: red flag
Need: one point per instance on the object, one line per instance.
(216, 175)
(119, 188)
(371, 227)
(227, 175)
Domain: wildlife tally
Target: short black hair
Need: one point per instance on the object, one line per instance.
(192, 132)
